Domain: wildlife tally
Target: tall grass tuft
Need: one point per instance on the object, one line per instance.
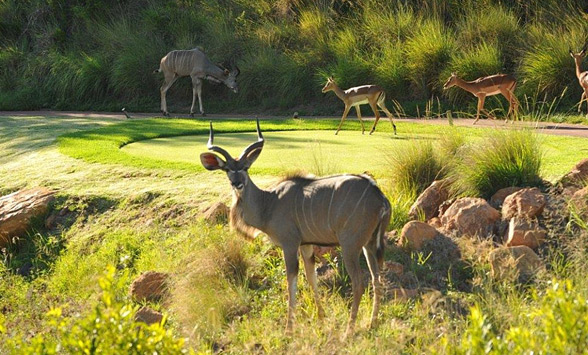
(503, 159)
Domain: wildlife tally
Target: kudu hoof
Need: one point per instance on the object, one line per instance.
(192, 114)
(203, 114)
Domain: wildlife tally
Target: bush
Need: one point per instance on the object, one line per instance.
(503, 159)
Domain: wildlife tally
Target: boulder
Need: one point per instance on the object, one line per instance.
(577, 177)
(527, 203)
(394, 267)
(519, 262)
(497, 199)
(526, 232)
(18, 209)
(148, 315)
(216, 213)
(321, 251)
(149, 286)
(579, 203)
(427, 204)
(470, 216)
(435, 222)
(415, 234)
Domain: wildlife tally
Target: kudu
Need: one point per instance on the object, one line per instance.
(195, 64)
(299, 212)
(582, 76)
(504, 84)
(360, 95)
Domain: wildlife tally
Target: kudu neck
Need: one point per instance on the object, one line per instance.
(255, 204)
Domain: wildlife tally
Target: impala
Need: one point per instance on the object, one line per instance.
(504, 84)
(582, 76)
(360, 95)
(195, 64)
(301, 211)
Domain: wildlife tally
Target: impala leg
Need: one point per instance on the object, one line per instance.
(351, 260)
(370, 254)
(481, 100)
(291, 259)
(358, 111)
(383, 107)
(196, 91)
(345, 113)
(377, 113)
(308, 258)
(511, 103)
(170, 78)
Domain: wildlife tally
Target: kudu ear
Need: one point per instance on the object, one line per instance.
(212, 161)
(251, 157)
(227, 72)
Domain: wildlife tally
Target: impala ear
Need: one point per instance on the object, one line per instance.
(571, 54)
(212, 161)
(251, 157)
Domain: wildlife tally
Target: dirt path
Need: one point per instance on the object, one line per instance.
(562, 129)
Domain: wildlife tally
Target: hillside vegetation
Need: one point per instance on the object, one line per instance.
(101, 54)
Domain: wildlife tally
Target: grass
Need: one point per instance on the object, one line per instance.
(226, 293)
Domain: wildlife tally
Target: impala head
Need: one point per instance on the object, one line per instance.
(581, 54)
(236, 169)
(230, 79)
(451, 81)
(330, 85)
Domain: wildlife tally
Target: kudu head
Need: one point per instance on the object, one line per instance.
(451, 81)
(236, 169)
(330, 85)
(230, 78)
(581, 54)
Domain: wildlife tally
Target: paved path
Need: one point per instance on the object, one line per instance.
(564, 129)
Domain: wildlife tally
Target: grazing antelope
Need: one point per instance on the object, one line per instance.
(582, 76)
(195, 64)
(359, 95)
(299, 212)
(504, 84)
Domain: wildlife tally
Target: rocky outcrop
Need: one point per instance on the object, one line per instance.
(511, 263)
(148, 315)
(18, 209)
(579, 203)
(526, 203)
(149, 286)
(427, 204)
(470, 216)
(526, 232)
(577, 177)
(498, 198)
(415, 234)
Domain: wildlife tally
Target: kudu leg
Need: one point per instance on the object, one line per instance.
(358, 111)
(385, 109)
(308, 258)
(377, 113)
(291, 259)
(351, 260)
(170, 79)
(370, 254)
(345, 113)
(196, 91)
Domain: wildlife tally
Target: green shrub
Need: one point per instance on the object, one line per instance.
(503, 159)
(109, 328)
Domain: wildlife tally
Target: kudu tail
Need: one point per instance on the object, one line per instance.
(380, 232)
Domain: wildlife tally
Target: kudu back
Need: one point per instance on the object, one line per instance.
(299, 212)
(193, 63)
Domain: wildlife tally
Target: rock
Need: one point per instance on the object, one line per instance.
(519, 262)
(579, 203)
(525, 232)
(498, 198)
(394, 267)
(320, 252)
(427, 204)
(470, 216)
(577, 177)
(402, 294)
(527, 203)
(435, 222)
(18, 209)
(149, 286)
(148, 315)
(216, 213)
(415, 234)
